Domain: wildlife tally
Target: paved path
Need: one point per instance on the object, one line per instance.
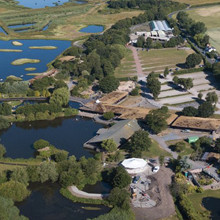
(76, 192)
(137, 61)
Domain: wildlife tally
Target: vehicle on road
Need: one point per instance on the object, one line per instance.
(136, 179)
(156, 169)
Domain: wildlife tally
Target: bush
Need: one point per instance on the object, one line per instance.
(135, 91)
(39, 144)
(108, 115)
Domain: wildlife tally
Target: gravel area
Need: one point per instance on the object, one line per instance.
(165, 206)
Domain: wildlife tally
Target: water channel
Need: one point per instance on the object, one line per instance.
(65, 133)
(45, 56)
(46, 203)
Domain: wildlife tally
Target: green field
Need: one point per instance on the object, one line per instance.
(64, 21)
(197, 2)
(211, 17)
(196, 199)
(127, 67)
(158, 60)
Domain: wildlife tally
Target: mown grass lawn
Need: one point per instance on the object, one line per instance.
(196, 199)
(155, 151)
(159, 59)
(211, 17)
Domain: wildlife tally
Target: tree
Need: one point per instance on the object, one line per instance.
(198, 28)
(212, 97)
(109, 145)
(119, 198)
(5, 109)
(176, 80)
(206, 109)
(217, 145)
(120, 178)
(190, 111)
(9, 211)
(20, 175)
(47, 171)
(139, 142)
(156, 119)
(108, 84)
(2, 151)
(140, 41)
(166, 72)
(61, 155)
(14, 190)
(192, 60)
(154, 85)
(4, 123)
(135, 91)
(216, 70)
(60, 97)
(179, 146)
(200, 95)
(108, 115)
(41, 143)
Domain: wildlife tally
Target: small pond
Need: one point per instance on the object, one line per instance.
(92, 29)
(99, 187)
(45, 56)
(20, 25)
(45, 3)
(65, 133)
(46, 203)
(213, 205)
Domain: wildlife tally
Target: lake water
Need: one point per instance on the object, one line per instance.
(92, 29)
(212, 204)
(46, 203)
(99, 187)
(65, 133)
(45, 56)
(45, 3)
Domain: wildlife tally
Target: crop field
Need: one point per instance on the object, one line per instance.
(197, 2)
(211, 17)
(64, 22)
(158, 60)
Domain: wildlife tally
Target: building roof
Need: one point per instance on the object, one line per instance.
(159, 26)
(120, 131)
(134, 163)
(113, 97)
(208, 124)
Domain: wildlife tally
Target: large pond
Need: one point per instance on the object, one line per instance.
(46, 203)
(213, 205)
(68, 134)
(45, 56)
(92, 29)
(45, 3)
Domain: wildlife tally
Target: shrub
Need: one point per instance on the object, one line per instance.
(108, 115)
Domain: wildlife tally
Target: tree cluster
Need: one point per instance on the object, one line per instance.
(154, 85)
(156, 119)
(187, 83)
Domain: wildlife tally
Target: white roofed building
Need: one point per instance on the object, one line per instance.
(135, 165)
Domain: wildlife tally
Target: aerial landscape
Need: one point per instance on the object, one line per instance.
(109, 110)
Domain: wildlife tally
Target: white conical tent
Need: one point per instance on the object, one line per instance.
(134, 165)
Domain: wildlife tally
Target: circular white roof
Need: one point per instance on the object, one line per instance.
(134, 163)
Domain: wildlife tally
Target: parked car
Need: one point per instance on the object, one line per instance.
(186, 131)
(156, 169)
(136, 179)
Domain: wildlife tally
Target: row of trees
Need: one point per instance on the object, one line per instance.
(187, 83)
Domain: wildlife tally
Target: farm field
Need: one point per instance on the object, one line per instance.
(210, 16)
(61, 22)
(157, 60)
(197, 2)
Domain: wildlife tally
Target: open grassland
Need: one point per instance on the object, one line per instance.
(197, 2)
(196, 199)
(64, 21)
(127, 67)
(155, 151)
(158, 60)
(211, 17)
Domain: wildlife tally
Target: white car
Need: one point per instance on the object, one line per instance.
(156, 169)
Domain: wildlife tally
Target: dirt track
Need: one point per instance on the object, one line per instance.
(166, 207)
